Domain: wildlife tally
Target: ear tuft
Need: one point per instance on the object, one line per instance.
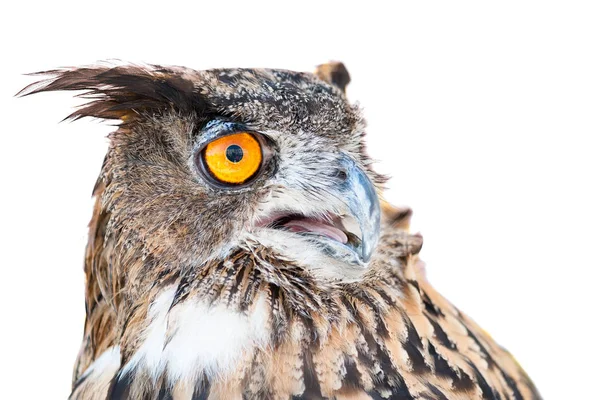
(334, 73)
(120, 92)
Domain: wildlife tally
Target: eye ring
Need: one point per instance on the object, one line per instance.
(234, 160)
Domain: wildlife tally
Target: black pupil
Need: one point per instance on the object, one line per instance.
(234, 153)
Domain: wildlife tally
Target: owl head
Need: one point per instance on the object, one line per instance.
(234, 250)
(206, 162)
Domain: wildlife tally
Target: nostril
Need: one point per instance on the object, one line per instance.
(341, 174)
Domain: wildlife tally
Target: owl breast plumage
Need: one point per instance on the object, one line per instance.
(239, 249)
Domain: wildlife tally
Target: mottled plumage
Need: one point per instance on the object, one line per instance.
(191, 294)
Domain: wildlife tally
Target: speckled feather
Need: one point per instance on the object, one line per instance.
(161, 243)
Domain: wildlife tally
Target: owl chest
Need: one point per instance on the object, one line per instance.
(196, 338)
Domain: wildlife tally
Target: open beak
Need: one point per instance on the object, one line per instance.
(360, 209)
(360, 196)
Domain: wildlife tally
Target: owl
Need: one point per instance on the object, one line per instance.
(239, 248)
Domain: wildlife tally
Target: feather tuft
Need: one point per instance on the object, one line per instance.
(120, 92)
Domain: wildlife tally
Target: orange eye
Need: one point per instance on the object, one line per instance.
(233, 159)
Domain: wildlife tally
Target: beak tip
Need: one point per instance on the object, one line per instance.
(366, 256)
(369, 242)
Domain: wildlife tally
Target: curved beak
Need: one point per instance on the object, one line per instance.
(360, 196)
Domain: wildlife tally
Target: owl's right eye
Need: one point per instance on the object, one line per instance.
(232, 160)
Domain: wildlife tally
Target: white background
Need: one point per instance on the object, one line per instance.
(485, 114)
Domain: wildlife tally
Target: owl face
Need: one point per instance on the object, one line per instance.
(206, 162)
